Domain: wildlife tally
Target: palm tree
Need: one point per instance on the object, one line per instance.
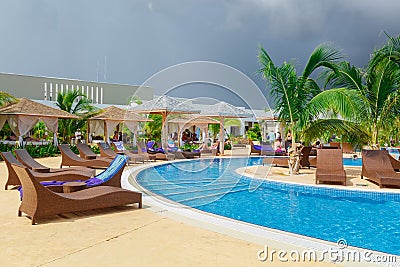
(6, 98)
(153, 128)
(373, 97)
(293, 93)
(391, 51)
(75, 103)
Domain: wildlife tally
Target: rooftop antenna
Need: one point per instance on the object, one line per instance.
(97, 77)
(105, 68)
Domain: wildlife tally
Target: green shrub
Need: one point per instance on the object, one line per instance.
(254, 133)
(95, 149)
(189, 147)
(228, 146)
(74, 148)
(40, 151)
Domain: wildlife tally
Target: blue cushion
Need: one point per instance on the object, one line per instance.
(119, 146)
(150, 144)
(257, 147)
(115, 166)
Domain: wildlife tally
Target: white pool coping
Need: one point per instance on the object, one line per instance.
(241, 230)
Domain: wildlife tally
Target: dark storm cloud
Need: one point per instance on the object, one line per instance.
(139, 38)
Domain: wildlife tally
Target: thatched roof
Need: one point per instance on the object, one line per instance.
(223, 109)
(194, 120)
(113, 113)
(265, 115)
(164, 104)
(28, 107)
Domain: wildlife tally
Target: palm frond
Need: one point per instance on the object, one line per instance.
(323, 55)
(345, 75)
(349, 104)
(391, 51)
(335, 126)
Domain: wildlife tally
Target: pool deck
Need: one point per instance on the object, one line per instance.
(127, 236)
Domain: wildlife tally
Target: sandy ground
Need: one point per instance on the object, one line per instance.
(123, 236)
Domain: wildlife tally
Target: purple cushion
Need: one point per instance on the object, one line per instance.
(257, 147)
(93, 181)
(150, 144)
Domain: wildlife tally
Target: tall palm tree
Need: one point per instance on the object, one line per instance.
(373, 95)
(293, 93)
(75, 103)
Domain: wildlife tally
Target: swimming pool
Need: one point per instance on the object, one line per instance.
(352, 162)
(365, 219)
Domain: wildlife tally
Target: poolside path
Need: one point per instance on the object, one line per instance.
(123, 236)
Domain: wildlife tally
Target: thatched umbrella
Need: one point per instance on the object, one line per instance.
(165, 106)
(224, 110)
(193, 120)
(112, 116)
(23, 116)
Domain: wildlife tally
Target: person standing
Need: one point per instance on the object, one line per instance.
(78, 135)
(115, 137)
(271, 136)
(288, 141)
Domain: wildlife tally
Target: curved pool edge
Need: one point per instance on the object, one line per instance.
(347, 189)
(238, 229)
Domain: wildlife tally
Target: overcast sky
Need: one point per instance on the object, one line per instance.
(70, 39)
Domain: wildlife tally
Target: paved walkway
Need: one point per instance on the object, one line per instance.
(123, 236)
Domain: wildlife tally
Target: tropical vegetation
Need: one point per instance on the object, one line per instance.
(359, 105)
(78, 104)
(153, 129)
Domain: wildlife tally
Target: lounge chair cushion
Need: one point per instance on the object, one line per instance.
(119, 146)
(115, 166)
(257, 147)
(150, 144)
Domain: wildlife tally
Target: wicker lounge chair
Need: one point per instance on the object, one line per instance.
(376, 166)
(334, 144)
(40, 176)
(330, 166)
(395, 163)
(106, 151)
(110, 176)
(69, 158)
(276, 160)
(254, 148)
(142, 150)
(165, 156)
(305, 155)
(39, 201)
(120, 149)
(86, 153)
(25, 158)
(347, 148)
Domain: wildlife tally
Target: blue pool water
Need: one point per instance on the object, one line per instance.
(365, 219)
(352, 162)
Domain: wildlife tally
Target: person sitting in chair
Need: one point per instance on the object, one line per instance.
(115, 137)
(278, 146)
